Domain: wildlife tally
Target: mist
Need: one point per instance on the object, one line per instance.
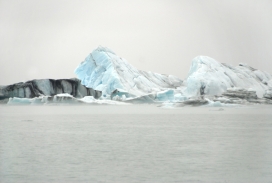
(48, 39)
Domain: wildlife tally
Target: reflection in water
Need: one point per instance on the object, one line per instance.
(134, 144)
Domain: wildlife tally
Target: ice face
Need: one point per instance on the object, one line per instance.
(104, 70)
(209, 77)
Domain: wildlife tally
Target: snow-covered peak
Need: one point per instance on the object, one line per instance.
(105, 71)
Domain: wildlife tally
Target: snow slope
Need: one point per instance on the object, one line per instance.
(105, 71)
(209, 77)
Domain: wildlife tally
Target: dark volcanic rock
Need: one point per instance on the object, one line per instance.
(48, 87)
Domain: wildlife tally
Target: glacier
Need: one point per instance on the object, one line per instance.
(106, 78)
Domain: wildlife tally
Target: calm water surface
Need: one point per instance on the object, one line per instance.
(135, 144)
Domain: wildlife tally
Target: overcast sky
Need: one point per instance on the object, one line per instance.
(49, 38)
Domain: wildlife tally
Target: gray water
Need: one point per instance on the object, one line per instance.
(135, 144)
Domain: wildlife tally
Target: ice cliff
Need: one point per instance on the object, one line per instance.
(105, 71)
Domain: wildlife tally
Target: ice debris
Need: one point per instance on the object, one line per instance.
(195, 101)
(64, 98)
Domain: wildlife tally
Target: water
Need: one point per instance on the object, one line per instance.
(135, 144)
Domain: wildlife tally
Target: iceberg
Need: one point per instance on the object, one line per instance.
(105, 78)
(118, 80)
(105, 71)
(209, 77)
(48, 87)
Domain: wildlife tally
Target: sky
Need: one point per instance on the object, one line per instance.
(49, 38)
